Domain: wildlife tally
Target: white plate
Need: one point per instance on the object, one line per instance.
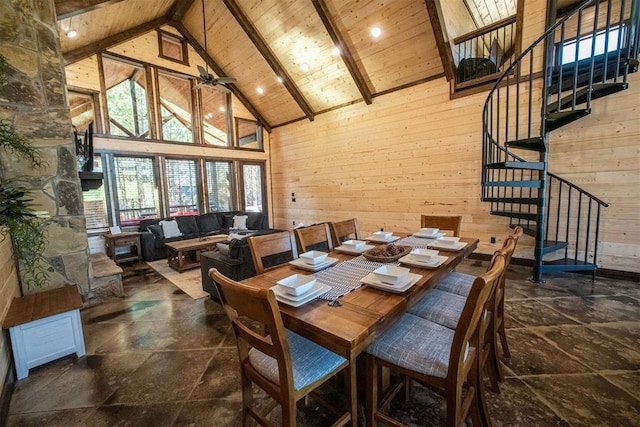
(376, 239)
(371, 280)
(351, 250)
(308, 267)
(429, 236)
(451, 248)
(317, 290)
(410, 260)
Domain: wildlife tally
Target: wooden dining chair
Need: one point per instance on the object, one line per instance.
(444, 360)
(344, 230)
(460, 284)
(284, 364)
(273, 249)
(314, 237)
(444, 223)
(446, 309)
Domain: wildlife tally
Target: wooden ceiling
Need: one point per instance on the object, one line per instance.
(257, 42)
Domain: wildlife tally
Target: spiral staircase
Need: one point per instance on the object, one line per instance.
(585, 55)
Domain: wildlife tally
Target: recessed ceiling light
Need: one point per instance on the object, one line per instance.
(336, 51)
(72, 33)
(376, 31)
(222, 110)
(305, 67)
(260, 90)
(280, 80)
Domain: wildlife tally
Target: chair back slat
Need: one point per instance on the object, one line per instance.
(344, 230)
(313, 235)
(443, 222)
(271, 244)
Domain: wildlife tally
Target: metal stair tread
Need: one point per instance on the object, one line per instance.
(597, 91)
(515, 214)
(567, 264)
(531, 144)
(525, 183)
(557, 120)
(516, 165)
(512, 200)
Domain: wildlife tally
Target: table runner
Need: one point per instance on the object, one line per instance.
(347, 276)
(416, 242)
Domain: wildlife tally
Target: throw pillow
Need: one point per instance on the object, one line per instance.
(255, 220)
(227, 221)
(223, 248)
(240, 222)
(170, 229)
(187, 224)
(156, 230)
(208, 222)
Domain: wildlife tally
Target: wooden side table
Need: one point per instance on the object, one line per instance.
(44, 327)
(130, 239)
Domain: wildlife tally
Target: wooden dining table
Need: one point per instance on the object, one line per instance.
(348, 328)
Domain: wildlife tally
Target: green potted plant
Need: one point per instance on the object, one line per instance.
(17, 217)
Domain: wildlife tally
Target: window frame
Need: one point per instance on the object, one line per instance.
(259, 134)
(241, 184)
(198, 183)
(162, 35)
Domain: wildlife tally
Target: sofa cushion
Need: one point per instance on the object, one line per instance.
(223, 248)
(170, 229)
(145, 223)
(187, 224)
(256, 220)
(156, 230)
(208, 222)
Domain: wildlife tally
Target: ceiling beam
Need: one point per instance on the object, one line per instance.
(178, 10)
(269, 56)
(104, 44)
(442, 39)
(220, 73)
(69, 8)
(338, 42)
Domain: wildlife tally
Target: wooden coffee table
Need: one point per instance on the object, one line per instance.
(185, 254)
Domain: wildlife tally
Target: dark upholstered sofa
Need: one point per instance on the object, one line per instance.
(237, 263)
(193, 226)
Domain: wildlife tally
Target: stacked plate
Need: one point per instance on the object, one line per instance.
(391, 278)
(382, 237)
(429, 233)
(299, 289)
(448, 244)
(423, 258)
(313, 261)
(353, 247)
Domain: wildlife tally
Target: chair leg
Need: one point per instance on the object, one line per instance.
(503, 339)
(454, 406)
(372, 392)
(491, 363)
(479, 410)
(351, 388)
(247, 401)
(289, 409)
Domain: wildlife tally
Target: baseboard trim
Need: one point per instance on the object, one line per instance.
(7, 391)
(600, 272)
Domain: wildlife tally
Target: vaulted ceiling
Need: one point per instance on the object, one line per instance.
(260, 43)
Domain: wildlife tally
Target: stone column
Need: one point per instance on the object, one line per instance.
(35, 101)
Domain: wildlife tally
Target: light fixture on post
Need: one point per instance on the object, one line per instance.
(71, 32)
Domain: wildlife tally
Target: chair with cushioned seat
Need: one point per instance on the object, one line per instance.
(314, 237)
(448, 223)
(344, 230)
(440, 358)
(460, 283)
(285, 365)
(269, 245)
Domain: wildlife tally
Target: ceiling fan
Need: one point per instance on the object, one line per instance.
(206, 78)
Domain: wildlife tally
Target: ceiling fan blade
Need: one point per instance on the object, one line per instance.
(198, 86)
(222, 88)
(202, 71)
(226, 80)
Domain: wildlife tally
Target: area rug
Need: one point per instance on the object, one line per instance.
(189, 281)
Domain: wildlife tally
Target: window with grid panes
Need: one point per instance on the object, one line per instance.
(219, 186)
(136, 190)
(94, 202)
(182, 186)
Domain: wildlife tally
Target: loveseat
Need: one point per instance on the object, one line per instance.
(153, 238)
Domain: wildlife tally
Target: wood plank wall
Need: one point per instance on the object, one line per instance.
(9, 288)
(415, 151)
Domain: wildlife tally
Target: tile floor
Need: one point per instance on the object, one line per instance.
(158, 358)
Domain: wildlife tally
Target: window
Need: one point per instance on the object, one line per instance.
(253, 185)
(248, 134)
(94, 202)
(172, 47)
(126, 99)
(182, 187)
(175, 108)
(219, 186)
(136, 189)
(214, 116)
(585, 44)
(82, 109)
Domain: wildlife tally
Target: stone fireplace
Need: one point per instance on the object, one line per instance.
(35, 101)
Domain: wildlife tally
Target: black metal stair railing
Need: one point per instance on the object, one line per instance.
(521, 110)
